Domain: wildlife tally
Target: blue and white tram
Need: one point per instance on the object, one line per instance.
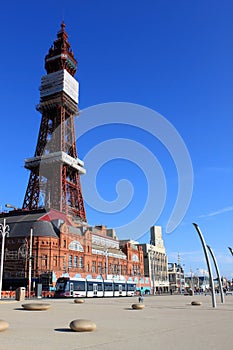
(81, 287)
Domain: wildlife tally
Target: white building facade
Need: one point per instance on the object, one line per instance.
(155, 261)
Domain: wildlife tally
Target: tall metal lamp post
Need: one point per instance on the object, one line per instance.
(231, 250)
(106, 263)
(152, 266)
(218, 273)
(4, 230)
(30, 264)
(204, 246)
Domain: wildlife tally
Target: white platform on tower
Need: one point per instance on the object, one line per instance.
(60, 157)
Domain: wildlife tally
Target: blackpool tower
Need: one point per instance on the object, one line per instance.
(55, 169)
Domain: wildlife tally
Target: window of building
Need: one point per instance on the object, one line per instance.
(115, 269)
(99, 267)
(111, 268)
(171, 277)
(81, 262)
(70, 261)
(44, 261)
(135, 257)
(64, 263)
(93, 266)
(75, 261)
(55, 260)
(75, 245)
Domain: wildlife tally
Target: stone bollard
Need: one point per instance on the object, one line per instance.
(197, 303)
(81, 325)
(78, 301)
(139, 306)
(3, 325)
(36, 306)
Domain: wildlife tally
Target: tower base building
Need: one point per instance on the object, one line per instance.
(62, 247)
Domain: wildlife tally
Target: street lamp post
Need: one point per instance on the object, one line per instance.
(192, 285)
(30, 264)
(10, 206)
(204, 246)
(204, 281)
(231, 250)
(4, 230)
(183, 274)
(218, 273)
(152, 266)
(106, 262)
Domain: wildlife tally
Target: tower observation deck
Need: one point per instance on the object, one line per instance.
(55, 169)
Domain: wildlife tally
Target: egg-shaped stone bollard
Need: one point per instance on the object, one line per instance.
(81, 325)
(3, 325)
(78, 301)
(196, 303)
(138, 306)
(36, 306)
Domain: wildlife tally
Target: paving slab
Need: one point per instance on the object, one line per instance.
(166, 322)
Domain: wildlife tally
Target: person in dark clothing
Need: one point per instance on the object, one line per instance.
(140, 298)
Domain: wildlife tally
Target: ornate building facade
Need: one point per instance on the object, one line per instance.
(176, 278)
(155, 261)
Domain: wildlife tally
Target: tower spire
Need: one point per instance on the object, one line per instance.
(60, 55)
(55, 170)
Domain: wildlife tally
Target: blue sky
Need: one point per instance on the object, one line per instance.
(174, 58)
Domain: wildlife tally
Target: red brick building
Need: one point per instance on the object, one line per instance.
(63, 247)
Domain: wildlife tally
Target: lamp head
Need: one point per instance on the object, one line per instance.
(9, 206)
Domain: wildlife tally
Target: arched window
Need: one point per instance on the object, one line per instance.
(135, 257)
(75, 245)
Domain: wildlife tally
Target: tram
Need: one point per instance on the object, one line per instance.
(88, 288)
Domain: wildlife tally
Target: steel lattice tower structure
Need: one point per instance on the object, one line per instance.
(55, 170)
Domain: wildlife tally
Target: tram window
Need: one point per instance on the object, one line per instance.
(89, 286)
(100, 286)
(108, 286)
(122, 286)
(79, 285)
(60, 286)
(131, 287)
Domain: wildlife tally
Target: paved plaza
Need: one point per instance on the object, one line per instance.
(166, 322)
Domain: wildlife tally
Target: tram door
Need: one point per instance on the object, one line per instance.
(120, 289)
(95, 289)
(71, 289)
